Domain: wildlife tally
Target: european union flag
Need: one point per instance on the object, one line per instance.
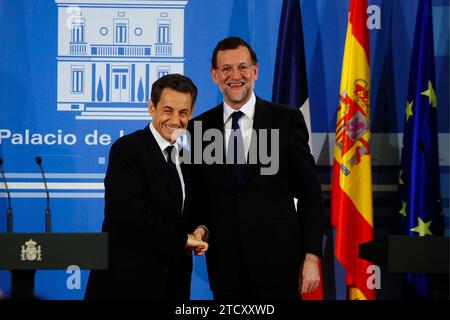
(419, 187)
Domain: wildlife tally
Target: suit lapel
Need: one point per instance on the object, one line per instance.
(157, 156)
(185, 169)
(261, 120)
(225, 169)
(161, 169)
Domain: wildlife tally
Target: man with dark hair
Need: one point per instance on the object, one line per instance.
(275, 247)
(232, 43)
(147, 201)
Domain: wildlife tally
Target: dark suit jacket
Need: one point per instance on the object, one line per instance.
(257, 224)
(147, 234)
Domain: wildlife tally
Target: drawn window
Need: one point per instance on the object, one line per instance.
(162, 74)
(77, 30)
(77, 79)
(121, 32)
(164, 33)
(162, 71)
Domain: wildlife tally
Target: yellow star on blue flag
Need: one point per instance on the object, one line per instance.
(409, 112)
(423, 228)
(403, 209)
(431, 95)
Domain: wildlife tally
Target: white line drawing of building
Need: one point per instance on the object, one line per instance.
(111, 51)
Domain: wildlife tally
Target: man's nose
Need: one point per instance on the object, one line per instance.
(174, 119)
(235, 73)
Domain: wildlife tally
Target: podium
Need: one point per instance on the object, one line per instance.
(24, 253)
(406, 254)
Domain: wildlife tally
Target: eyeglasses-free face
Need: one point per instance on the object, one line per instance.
(171, 115)
(235, 75)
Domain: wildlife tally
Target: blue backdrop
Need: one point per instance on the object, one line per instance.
(72, 71)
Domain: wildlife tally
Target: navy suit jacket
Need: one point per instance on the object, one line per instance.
(147, 233)
(256, 224)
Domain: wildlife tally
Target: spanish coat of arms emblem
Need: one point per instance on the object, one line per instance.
(30, 251)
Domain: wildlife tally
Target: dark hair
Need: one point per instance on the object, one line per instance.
(228, 44)
(176, 82)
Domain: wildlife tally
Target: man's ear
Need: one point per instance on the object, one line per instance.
(191, 113)
(255, 75)
(151, 108)
(214, 75)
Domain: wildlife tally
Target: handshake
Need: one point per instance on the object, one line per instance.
(196, 241)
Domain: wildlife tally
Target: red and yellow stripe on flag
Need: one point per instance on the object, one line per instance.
(351, 195)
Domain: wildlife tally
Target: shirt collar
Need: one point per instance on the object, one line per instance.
(248, 108)
(163, 143)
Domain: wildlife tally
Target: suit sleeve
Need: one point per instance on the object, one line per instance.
(128, 203)
(305, 186)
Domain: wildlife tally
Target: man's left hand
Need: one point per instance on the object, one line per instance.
(309, 274)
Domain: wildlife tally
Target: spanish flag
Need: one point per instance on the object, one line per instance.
(351, 194)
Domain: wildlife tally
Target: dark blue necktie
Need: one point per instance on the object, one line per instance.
(175, 178)
(236, 153)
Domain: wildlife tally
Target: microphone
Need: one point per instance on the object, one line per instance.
(48, 216)
(9, 211)
(435, 183)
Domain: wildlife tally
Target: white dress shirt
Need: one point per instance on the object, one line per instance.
(163, 144)
(245, 122)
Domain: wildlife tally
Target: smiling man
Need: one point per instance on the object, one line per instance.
(275, 247)
(147, 201)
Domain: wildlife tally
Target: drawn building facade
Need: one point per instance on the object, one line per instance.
(111, 51)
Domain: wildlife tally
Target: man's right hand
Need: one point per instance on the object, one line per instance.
(199, 246)
(201, 233)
